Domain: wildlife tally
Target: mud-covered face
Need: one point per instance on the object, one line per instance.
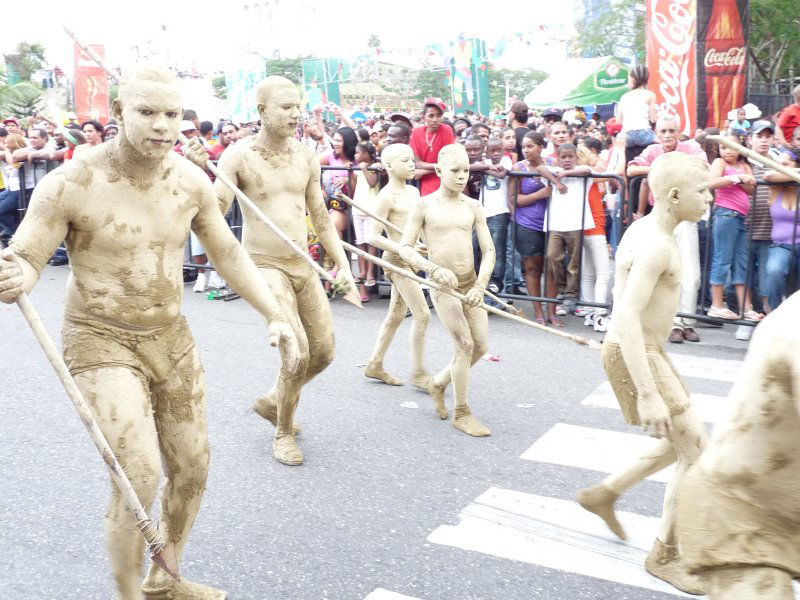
(694, 197)
(151, 117)
(454, 171)
(402, 164)
(282, 113)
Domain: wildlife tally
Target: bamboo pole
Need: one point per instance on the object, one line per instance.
(395, 228)
(413, 276)
(351, 296)
(161, 552)
(756, 157)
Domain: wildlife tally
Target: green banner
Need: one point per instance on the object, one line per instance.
(469, 76)
(321, 78)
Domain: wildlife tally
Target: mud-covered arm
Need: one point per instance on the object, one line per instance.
(375, 230)
(44, 227)
(410, 236)
(487, 247)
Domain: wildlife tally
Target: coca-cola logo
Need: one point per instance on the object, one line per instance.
(672, 27)
(733, 57)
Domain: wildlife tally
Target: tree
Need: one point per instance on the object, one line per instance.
(374, 42)
(773, 38)
(220, 88)
(428, 82)
(291, 68)
(619, 30)
(520, 82)
(26, 60)
(20, 100)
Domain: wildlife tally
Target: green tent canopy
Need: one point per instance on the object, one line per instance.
(581, 82)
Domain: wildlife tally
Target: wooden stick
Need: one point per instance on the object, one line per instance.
(755, 156)
(240, 195)
(161, 552)
(413, 276)
(395, 228)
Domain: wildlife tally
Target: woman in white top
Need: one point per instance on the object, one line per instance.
(636, 111)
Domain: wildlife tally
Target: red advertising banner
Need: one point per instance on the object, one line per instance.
(722, 48)
(91, 86)
(671, 27)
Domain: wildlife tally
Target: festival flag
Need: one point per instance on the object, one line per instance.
(91, 86)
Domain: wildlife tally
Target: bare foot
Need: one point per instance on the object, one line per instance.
(665, 563)
(600, 500)
(421, 380)
(463, 420)
(376, 371)
(266, 408)
(437, 393)
(286, 451)
(183, 590)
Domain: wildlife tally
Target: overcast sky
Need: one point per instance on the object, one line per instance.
(212, 34)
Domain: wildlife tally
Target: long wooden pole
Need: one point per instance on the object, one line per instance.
(240, 195)
(756, 157)
(396, 229)
(162, 553)
(413, 276)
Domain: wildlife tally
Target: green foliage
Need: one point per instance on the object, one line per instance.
(291, 68)
(220, 89)
(20, 100)
(618, 30)
(374, 41)
(519, 83)
(428, 82)
(27, 59)
(773, 38)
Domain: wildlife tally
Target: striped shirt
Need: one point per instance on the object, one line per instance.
(759, 216)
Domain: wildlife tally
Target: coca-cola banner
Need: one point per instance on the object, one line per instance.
(671, 26)
(91, 86)
(722, 29)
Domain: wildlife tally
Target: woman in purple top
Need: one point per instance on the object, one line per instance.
(527, 199)
(784, 254)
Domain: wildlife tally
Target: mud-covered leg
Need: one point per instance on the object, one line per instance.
(179, 406)
(411, 292)
(746, 583)
(121, 406)
(395, 316)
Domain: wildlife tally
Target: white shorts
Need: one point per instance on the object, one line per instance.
(360, 224)
(195, 247)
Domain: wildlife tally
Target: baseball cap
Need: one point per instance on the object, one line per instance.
(519, 107)
(613, 127)
(402, 117)
(552, 112)
(437, 102)
(758, 126)
(10, 120)
(187, 126)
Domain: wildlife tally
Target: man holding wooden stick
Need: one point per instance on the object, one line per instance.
(447, 219)
(282, 177)
(125, 209)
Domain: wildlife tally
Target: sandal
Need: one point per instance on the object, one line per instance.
(540, 322)
(370, 283)
(358, 281)
(751, 315)
(722, 313)
(556, 322)
(364, 298)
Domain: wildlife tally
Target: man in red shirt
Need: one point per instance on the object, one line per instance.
(789, 120)
(426, 141)
(227, 136)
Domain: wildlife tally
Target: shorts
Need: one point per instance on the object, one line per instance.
(195, 247)
(668, 382)
(528, 242)
(360, 225)
(89, 345)
(639, 137)
(717, 527)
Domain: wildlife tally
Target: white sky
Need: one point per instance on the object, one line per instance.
(211, 35)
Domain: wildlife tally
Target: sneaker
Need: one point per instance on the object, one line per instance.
(676, 336)
(588, 319)
(493, 288)
(582, 311)
(215, 281)
(743, 332)
(200, 284)
(560, 310)
(601, 323)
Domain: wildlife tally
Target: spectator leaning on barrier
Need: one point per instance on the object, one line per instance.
(686, 234)
(9, 203)
(426, 142)
(783, 258)
(494, 199)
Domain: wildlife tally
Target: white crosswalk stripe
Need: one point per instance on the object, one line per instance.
(382, 594)
(710, 408)
(559, 534)
(554, 533)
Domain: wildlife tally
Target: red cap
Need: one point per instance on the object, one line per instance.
(10, 120)
(437, 102)
(613, 127)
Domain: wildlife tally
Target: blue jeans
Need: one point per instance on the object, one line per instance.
(9, 209)
(759, 251)
(779, 261)
(730, 247)
(498, 229)
(512, 278)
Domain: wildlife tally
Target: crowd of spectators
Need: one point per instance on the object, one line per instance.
(553, 215)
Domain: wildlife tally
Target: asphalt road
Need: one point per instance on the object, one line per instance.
(381, 472)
